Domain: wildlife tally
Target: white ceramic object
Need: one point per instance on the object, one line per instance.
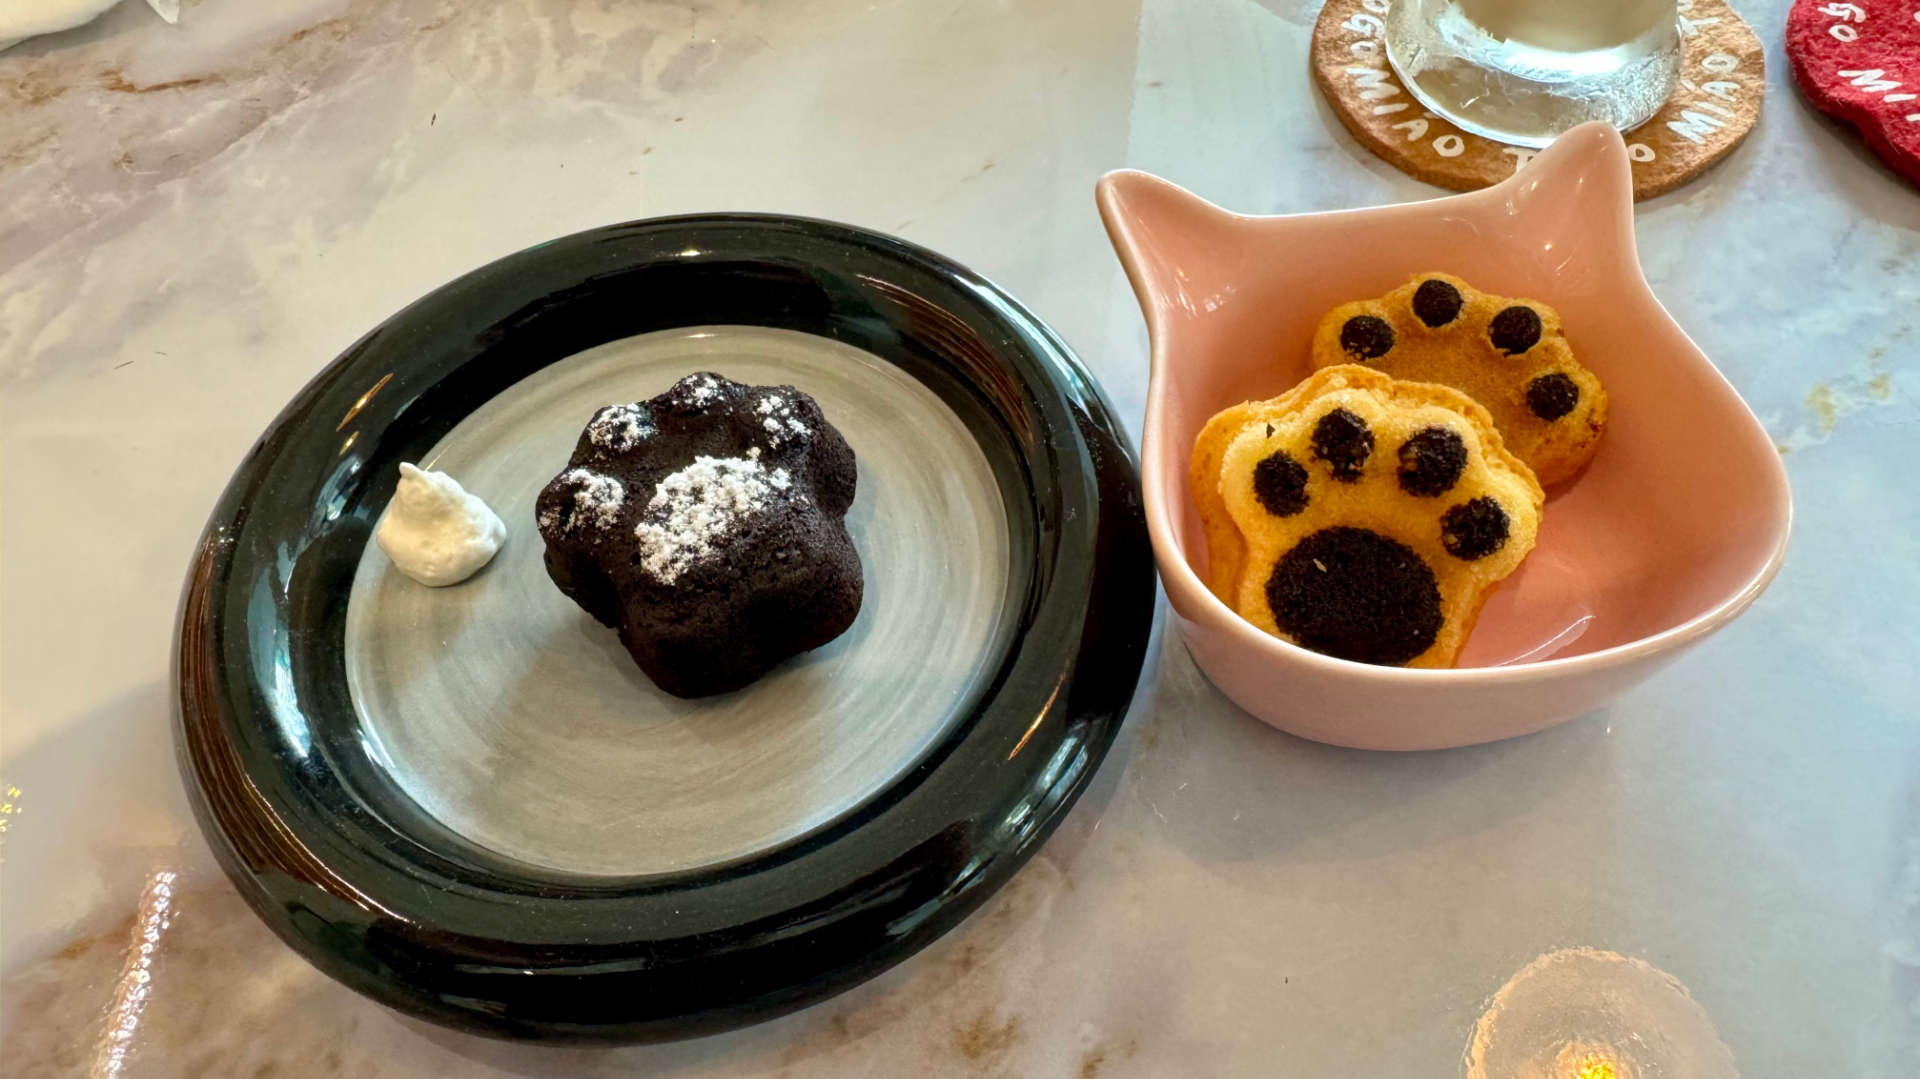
(22, 19)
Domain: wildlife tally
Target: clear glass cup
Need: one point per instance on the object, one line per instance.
(1523, 71)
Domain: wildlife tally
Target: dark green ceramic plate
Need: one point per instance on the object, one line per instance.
(468, 803)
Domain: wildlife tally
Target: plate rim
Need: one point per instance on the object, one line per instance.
(456, 949)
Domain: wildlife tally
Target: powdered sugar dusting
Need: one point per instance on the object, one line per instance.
(778, 420)
(620, 427)
(696, 506)
(702, 388)
(597, 501)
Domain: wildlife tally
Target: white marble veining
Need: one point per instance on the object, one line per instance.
(193, 219)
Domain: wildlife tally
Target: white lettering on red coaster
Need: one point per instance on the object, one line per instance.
(1860, 61)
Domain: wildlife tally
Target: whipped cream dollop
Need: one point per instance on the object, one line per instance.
(435, 531)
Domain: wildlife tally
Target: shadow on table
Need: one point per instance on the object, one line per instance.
(1221, 785)
(1846, 166)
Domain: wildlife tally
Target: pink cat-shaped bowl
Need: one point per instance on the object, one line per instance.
(1675, 528)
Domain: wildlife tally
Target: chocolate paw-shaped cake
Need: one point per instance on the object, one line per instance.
(707, 525)
(1362, 516)
(1507, 354)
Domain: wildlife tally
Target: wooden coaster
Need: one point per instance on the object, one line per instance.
(1722, 79)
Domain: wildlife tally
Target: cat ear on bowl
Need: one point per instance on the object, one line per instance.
(1169, 240)
(1576, 198)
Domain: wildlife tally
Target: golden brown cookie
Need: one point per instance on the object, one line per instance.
(1224, 546)
(1362, 516)
(1508, 354)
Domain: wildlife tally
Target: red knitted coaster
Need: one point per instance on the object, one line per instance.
(1860, 61)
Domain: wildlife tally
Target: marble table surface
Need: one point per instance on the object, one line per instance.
(193, 219)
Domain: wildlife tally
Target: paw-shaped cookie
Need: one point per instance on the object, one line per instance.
(1507, 354)
(1373, 516)
(707, 526)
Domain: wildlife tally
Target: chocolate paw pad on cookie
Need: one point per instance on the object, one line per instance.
(707, 525)
(1371, 517)
(1507, 354)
